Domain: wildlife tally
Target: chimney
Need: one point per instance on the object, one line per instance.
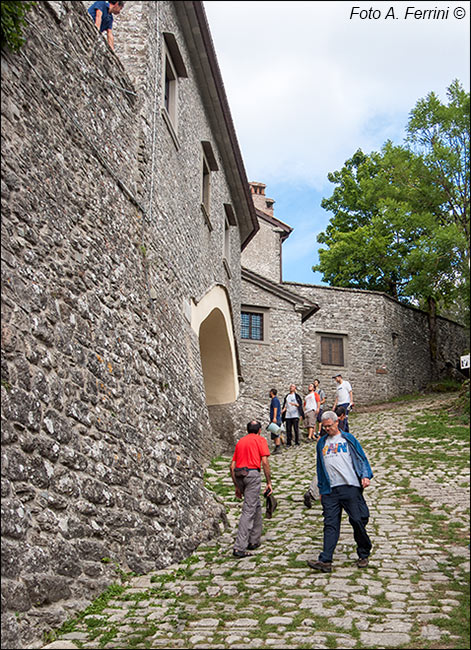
(261, 202)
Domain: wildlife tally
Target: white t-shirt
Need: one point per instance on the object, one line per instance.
(310, 402)
(338, 462)
(292, 410)
(343, 392)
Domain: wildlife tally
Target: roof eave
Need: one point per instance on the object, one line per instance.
(198, 38)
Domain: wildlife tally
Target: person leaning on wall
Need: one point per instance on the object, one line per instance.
(102, 14)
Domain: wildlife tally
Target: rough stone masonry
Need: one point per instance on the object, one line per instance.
(105, 428)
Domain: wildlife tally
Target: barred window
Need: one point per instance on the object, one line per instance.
(252, 326)
(332, 351)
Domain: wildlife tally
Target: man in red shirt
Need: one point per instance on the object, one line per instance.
(251, 453)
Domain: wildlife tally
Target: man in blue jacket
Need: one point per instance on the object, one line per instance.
(343, 471)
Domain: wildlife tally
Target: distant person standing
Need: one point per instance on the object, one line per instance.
(321, 394)
(292, 410)
(343, 397)
(275, 418)
(102, 15)
(311, 409)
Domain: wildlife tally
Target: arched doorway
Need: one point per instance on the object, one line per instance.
(211, 320)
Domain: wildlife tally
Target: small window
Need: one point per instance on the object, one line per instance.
(227, 241)
(170, 94)
(173, 69)
(209, 164)
(332, 353)
(205, 185)
(252, 326)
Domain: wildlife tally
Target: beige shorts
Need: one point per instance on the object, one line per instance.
(310, 419)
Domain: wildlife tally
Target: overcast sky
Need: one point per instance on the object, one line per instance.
(309, 83)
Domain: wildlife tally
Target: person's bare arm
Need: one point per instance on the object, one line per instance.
(98, 16)
(110, 38)
(266, 471)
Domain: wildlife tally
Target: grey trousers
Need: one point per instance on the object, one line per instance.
(250, 523)
(313, 489)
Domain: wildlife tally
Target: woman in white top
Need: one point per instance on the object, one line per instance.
(311, 408)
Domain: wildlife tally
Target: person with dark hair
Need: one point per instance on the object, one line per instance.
(102, 15)
(311, 408)
(291, 412)
(341, 413)
(251, 453)
(343, 397)
(275, 418)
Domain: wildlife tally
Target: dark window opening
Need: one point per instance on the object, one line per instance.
(332, 351)
(170, 91)
(252, 326)
(205, 187)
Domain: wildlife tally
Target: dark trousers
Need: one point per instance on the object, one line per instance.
(350, 499)
(346, 407)
(292, 423)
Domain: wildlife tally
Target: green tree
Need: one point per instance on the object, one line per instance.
(400, 219)
(380, 212)
(440, 134)
(12, 21)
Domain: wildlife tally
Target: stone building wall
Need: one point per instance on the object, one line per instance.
(277, 361)
(385, 343)
(409, 365)
(361, 326)
(263, 254)
(104, 247)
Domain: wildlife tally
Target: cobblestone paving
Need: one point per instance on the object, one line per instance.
(274, 600)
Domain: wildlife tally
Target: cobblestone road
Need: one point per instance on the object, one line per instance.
(274, 600)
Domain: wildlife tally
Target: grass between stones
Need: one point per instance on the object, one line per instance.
(433, 442)
(95, 608)
(446, 448)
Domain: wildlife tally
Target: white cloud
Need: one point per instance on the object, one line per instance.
(307, 86)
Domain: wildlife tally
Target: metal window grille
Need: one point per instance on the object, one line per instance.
(252, 326)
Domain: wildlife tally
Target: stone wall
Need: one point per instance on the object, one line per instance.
(263, 254)
(386, 344)
(105, 430)
(277, 361)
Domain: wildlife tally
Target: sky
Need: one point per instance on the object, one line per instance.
(309, 83)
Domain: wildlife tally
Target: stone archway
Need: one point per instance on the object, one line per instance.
(211, 320)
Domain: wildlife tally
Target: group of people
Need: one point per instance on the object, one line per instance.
(343, 470)
(310, 409)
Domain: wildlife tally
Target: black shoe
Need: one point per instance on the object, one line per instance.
(277, 450)
(308, 499)
(325, 567)
(362, 562)
(252, 547)
(241, 553)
